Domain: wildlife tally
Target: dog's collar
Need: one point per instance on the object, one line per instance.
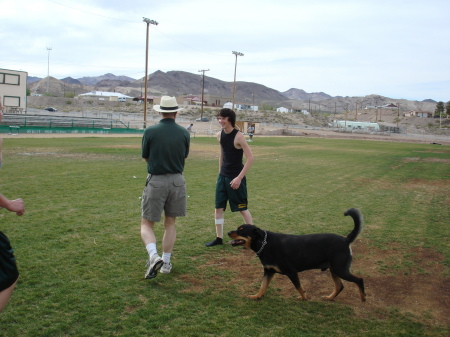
(263, 244)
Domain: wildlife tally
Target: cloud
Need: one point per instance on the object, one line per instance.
(394, 48)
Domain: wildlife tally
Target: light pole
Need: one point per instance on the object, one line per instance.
(203, 88)
(48, 67)
(148, 22)
(235, 66)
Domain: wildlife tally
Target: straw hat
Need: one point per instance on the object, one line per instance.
(168, 105)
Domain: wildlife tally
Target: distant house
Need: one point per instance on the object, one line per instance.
(385, 106)
(13, 90)
(283, 109)
(389, 106)
(194, 100)
(105, 95)
(424, 114)
(292, 110)
(150, 99)
(239, 106)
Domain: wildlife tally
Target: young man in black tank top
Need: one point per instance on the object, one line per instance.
(231, 184)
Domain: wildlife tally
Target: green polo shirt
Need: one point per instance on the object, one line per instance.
(166, 146)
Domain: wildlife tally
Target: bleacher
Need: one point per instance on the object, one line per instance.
(22, 120)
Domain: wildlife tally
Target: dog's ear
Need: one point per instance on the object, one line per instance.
(255, 231)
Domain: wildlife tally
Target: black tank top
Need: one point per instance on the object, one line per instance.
(231, 157)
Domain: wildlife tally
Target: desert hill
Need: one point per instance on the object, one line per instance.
(179, 83)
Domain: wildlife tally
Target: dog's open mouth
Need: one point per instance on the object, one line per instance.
(237, 242)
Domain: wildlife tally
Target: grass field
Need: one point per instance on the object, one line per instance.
(82, 261)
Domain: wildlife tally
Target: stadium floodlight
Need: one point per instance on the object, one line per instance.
(48, 67)
(148, 22)
(203, 89)
(235, 66)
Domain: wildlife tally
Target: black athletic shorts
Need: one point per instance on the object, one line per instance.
(236, 198)
(8, 268)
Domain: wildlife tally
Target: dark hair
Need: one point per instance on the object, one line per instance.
(225, 112)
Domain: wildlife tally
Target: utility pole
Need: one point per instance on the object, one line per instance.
(356, 113)
(235, 66)
(203, 88)
(346, 112)
(148, 22)
(376, 110)
(48, 67)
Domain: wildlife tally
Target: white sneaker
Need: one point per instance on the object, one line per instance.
(154, 264)
(166, 268)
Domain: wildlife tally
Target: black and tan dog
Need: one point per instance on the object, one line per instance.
(291, 254)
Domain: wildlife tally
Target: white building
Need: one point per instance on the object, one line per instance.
(292, 110)
(13, 90)
(419, 114)
(239, 106)
(105, 95)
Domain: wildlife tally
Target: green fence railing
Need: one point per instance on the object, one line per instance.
(15, 129)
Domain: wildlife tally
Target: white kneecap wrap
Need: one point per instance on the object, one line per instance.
(219, 227)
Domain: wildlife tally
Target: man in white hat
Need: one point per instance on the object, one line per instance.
(165, 146)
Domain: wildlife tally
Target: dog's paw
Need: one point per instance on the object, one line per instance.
(254, 297)
(328, 298)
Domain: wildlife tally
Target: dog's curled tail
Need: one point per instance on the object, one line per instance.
(358, 220)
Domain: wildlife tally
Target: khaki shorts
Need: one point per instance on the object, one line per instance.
(165, 192)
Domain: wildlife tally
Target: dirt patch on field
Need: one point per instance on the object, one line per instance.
(426, 160)
(420, 288)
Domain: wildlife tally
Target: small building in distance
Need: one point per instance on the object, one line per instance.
(424, 114)
(105, 95)
(13, 90)
(292, 110)
(240, 106)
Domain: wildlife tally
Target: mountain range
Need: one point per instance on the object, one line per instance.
(179, 83)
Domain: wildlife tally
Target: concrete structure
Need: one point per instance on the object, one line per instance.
(352, 125)
(105, 95)
(13, 90)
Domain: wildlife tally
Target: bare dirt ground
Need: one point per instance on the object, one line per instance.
(422, 293)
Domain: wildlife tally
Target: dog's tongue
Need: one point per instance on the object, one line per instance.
(236, 242)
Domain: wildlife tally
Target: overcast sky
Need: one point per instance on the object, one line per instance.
(394, 48)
